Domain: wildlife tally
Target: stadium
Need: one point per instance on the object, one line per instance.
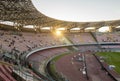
(35, 47)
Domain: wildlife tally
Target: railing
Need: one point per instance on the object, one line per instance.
(86, 44)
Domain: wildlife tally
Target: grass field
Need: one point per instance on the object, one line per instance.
(112, 58)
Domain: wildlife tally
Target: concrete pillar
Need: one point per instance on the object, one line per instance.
(111, 28)
(52, 29)
(82, 30)
(67, 30)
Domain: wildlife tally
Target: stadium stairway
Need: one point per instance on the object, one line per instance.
(94, 36)
(69, 42)
(6, 73)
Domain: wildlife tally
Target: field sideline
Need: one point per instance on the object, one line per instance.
(112, 58)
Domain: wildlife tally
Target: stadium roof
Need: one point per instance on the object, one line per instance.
(23, 12)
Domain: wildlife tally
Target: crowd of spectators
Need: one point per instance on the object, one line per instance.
(14, 44)
(81, 38)
(108, 37)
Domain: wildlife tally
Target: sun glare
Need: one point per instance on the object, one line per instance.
(58, 32)
(61, 29)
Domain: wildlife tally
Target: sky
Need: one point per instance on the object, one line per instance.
(80, 10)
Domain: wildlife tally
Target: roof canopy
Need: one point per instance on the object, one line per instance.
(23, 12)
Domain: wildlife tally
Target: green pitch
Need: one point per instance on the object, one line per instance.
(112, 58)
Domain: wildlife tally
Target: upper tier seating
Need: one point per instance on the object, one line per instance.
(81, 38)
(26, 41)
(108, 37)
